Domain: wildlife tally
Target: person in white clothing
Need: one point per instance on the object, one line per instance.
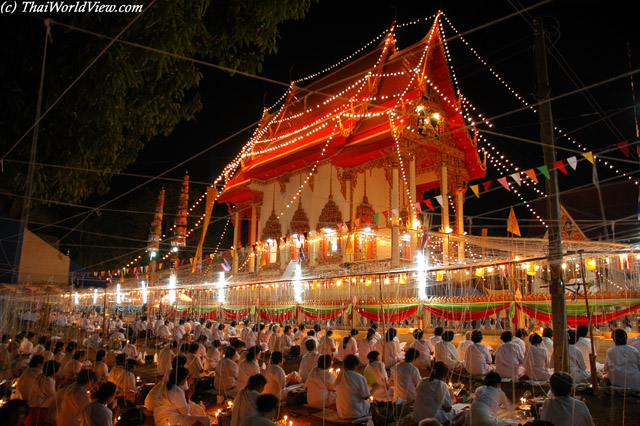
(44, 387)
(519, 339)
(377, 379)
(561, 409)
(348, 345)
(577, 367)
(392, 353)
(424, 348)
(536, 360)
(445, 352)
(584, 344)
(231, 331)
(245, 403)
(299, 334)
(213, 356)
(26, 347)
(405, 377)
(67, 406)
(165, 357)
(353, 392)
(28, 378)
(266, 405)
(622, 364)
(179, 331)
(303, 344)
(464, 344)
(226, 374)
(433, 397)
(248, 367)
(100, 367)
(276, 378)
(309, 360)
(286, 340)
(173, 406)
(437, 336)
(509, 357)
(97, 413)
(321, 389)
(366, 345)
(327, 344)
(488, 399)
(547, 342)
(72, 368)
(163, 332)
(477, 360)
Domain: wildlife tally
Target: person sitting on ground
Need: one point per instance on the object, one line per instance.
(392, 353)
(353, 391)
(536, 360)
(446, 352)
(405, 377)
(348, 345)
(97, 412)
(173, 406)
(299, 334)
(622, 364)
(519, 339)
(127, 383)
(226, 374)
(477, 360)
(179, 331)
(39, 348)
(29, 377)
(424, 347)
(73, 367)
(231, 331)
(309, 360)
(437, 336)
(266, 406)
(286, 340)
(68, 404)
(327, 344)
(509, 357)
(100, 367)
(131, 350)
(464, 344)
(487, 401)
(547, 342)
(165, 356)
(310, 336)
(44, 387)
(321, 388)
(248, 367)
(26, 347)
(561, 409)
(577, 368)
(163, 332)
(366, 345)
(377, 379)
(584, 344)
(69, 351)
(213, 355)
(433, 397)
(116, 373)
(47, 354)
(277, 380)
(244, 404)
(194, 364)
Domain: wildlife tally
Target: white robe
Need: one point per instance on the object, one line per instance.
(244, 406)
(96, 414)
(622, 366)
(392, 354)
(165, 358)
(536, 363)
(246, 369)
(447, 353)
(462, 348)
(566, 411)
(303, 346)
(509, 359)
(276, 381)
(477, 360)
(71, 401)
(584, 345)
(308, 362)
(321, 389)
(173, 408)
(405, 378)
(102, 371)
(350, 349)
(41, 391)
(353, 394)
(577, 367)
(327, 346)
(153, 395)
(377, 378)
(226, 375)
(433, 400)
(364, 347)
(425, 349)
(26, 381)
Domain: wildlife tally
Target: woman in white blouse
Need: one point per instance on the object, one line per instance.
(321, 389)
(392, 354)
(348, 346)
(446, 352)
(247, 368)
(377, 379)
(366, 345)
(173, 407)
(97, 413)
(477, 359)
(536, 360)
(424, 348)
(509, 357)
(45, 385)
(100, 367)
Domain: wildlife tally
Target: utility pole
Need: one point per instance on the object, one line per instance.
(556, 285)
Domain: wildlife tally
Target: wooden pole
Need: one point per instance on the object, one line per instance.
(592, 355)
(384, 333)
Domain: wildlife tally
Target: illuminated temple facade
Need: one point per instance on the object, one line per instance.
(337, 175)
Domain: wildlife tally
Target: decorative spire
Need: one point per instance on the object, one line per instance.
(180, 223)
(153, 245)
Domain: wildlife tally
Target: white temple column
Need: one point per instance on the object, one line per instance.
(252, 239)
(395, 230)
(444, 212)
(412, 193)
(460, 223)
(236, 241)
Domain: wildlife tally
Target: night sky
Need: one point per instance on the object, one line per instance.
(589, 41)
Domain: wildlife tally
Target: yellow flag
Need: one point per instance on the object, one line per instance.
(588, 156)
(349, 249)
(475, 190)
(512, 224)
(212, 192)
(263, 259)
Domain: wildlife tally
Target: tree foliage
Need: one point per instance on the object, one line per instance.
(130, 95)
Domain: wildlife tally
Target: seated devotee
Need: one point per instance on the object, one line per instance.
(536, 360)
(69, 351)
(194, 364)
(248, 367)
(309, 360)
(226, 374)
(299, 334)
(445, 351)
(68, 404)
(44, 386)
(266, 406)
(286, 340)
(131, 350)
(392, 353)
(321, 388)
(14, 412)
(519, 339)
(116, 373)
(488, 399)
(464, 344)
(327, 344)
(547, 342)
(561, 409)
(117, 338)
(39, 348)
(245, 403)
(26, 346)
(367, 345)
(173, 406)
(622, 364)
(165, 356)
(577, 368)
(28, 378)
(509, 357)
(277, 380)
(72, 368)
(263, 337)
(477, 360)
(163, 332)
(179, 331)
(353, 391)
(437, 336)
(405, 377)
(584, 344)
(311, 335)
(251, 337)
(275, 339)
(231, 331)
(97, 413)
(348, 345)
(423, 347)
(213, 355)
(433, 397)
(377, 379)
(100, 367)
(126, 384)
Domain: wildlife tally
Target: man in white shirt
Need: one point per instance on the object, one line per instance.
(561, 409)
(165, 356)
(405, 378)
(353, 391)
(28, 378)
(622, 364)
(584, 344)
(309, 360)
(437, 336)
(267, 406)
(547, 341)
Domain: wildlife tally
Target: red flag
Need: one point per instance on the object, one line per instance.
(386, 214)
(428, 203)
(486, 185)
(624, 148)
(560, 166)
